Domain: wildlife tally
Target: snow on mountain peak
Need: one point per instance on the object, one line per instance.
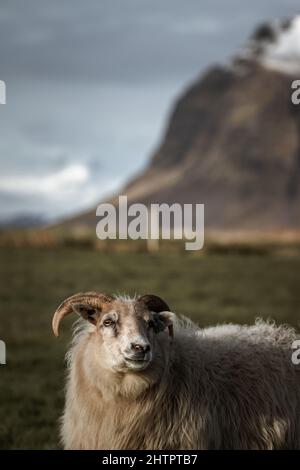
(276, 45)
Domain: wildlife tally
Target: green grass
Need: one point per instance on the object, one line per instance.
(209, 289)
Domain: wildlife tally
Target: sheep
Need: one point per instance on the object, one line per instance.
(142, 378)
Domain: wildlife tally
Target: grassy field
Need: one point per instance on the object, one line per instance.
(209, 289)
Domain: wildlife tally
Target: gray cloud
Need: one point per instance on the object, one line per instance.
(124, 40)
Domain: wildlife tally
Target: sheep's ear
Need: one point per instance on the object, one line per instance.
(166, 320)
(87, 312)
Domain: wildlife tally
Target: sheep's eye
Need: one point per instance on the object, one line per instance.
(151, 324)
(108, 322)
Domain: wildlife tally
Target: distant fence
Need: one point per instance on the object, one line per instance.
(216, 242)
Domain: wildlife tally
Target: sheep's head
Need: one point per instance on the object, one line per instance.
(126, 331)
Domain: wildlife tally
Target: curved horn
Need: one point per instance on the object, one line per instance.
(93, 299)
(158, 305)
(154, 303)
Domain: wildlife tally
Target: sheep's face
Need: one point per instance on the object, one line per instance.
(128, 333)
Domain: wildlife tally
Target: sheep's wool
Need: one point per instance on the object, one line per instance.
(223, 387)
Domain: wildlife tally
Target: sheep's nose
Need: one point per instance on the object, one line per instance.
(140, 348)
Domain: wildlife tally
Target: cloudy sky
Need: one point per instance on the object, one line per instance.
(90, 85)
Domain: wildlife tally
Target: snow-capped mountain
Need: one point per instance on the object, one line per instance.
(275, 45)
(233, 140)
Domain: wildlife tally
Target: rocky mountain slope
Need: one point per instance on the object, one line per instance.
(233, 140)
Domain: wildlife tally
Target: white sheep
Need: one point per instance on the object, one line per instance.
(134, 383)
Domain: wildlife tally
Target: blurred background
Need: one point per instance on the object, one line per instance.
(164, 102)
